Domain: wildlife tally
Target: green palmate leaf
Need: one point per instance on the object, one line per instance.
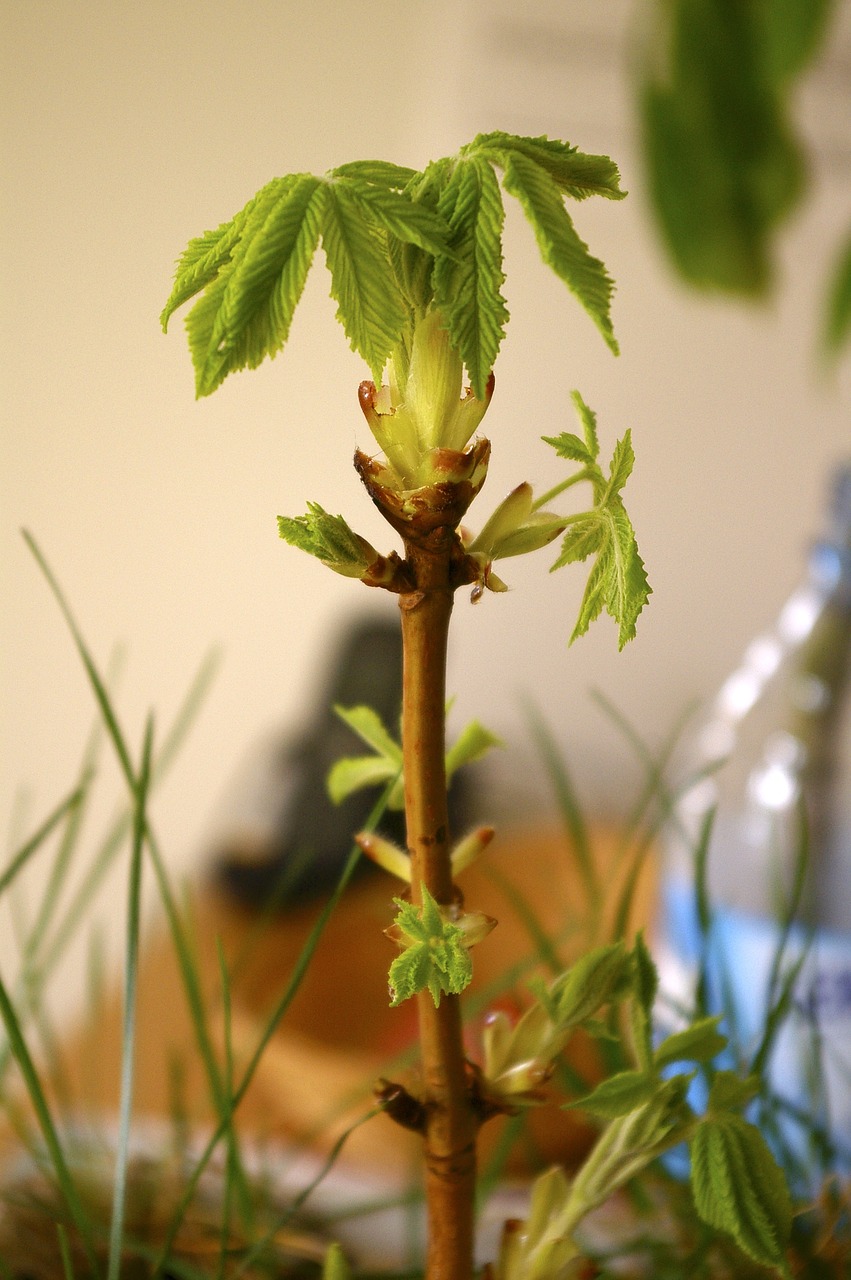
(370, 306)
(723, 164)
(396, 241)
(468, 289)
(246, 312)
(206, 255)
(738, 1188)
(560, 246)
(390, 210)
(617, 581)
(435, 958)
(574, 173)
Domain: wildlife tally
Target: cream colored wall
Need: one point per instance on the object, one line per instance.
(129, 128)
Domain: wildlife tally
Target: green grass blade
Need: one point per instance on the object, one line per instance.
(567, 800)
(95, 680)
(296, 978)
(111, 843)
(48, 1129)
(19, 860)
(197, 1010)
(128, 1040)
(110, 719)
(65, 1252)
(541, 940)
(260, 1246)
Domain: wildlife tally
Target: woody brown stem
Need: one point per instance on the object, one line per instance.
(450, 1118)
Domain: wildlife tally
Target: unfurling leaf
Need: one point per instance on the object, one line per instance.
(435, 957)
(396, 242)
(335, 1266)
(618, 1094)
(352, 773)
(700, 1042)
(575, 173)
(253, 279)
(617, 581)
(518, 1059)
(473, 742)
(330, 539)
(560, 246)
(468, 287)
(738, 1188)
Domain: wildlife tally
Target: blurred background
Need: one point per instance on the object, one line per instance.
(127, 129)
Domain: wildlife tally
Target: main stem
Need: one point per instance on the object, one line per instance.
(450, 1119)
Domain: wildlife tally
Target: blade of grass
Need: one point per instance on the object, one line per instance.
(262, 1244)
(703, 907)
(520, 905)
(112, 842)
(128, 1039)
(65, 1252)
(567, 800)
(780, 986)
(236, 1184)
(296, 978)
(655, 764)
(493, 1171)
(187, 968)
(48, 1129)
(22, 857)
(70, 837)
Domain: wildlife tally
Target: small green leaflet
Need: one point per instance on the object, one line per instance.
(700, 1042)
(617, 581)
(618, 1095)
(435, 959)
(738, 1188)
(468, 291)
(560, 246)
(353, 772)
(573, 172)
(593, 980)
(330, 539)
(394, 240)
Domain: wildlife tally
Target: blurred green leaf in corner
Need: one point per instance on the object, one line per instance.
(724, 163)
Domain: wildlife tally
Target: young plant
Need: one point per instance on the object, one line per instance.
(415, 260)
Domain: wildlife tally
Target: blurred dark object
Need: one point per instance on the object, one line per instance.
(287, 841)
